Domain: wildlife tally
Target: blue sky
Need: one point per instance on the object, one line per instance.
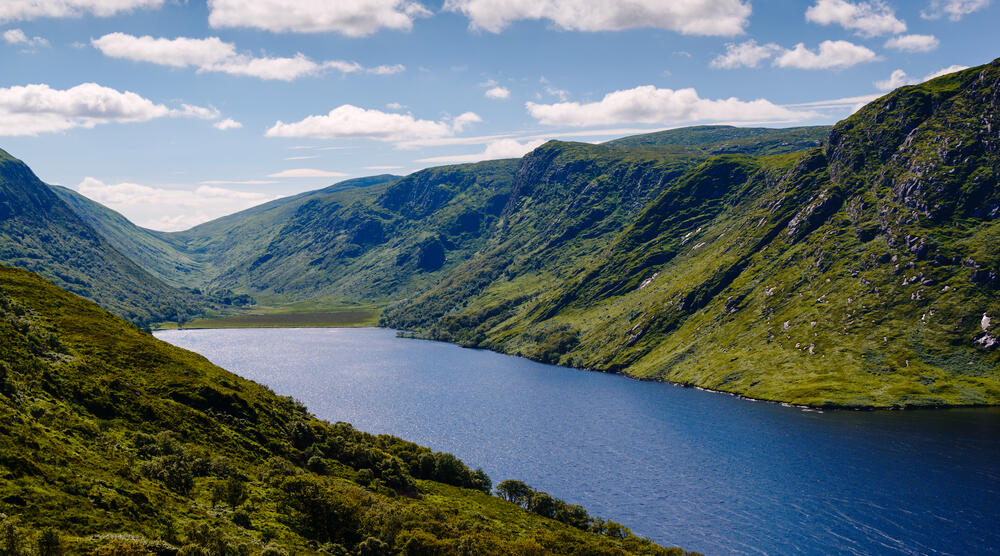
(174, 112)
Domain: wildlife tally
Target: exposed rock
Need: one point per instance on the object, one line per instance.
(985, 323)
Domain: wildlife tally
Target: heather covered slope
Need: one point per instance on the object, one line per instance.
(40, 232)
(124, 444)
(854, 274)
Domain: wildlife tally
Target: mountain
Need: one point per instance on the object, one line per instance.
(860, 273)
(40, 232)
(114, 442)
(725, 139)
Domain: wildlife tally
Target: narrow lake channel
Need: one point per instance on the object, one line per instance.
(703, 471)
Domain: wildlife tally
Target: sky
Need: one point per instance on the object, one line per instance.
(174, 112)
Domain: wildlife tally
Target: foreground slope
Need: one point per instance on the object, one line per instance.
(40, 232)
(862, 273)
(127, 445)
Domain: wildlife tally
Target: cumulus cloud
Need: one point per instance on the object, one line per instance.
(831, 54)
(689, 17)
(498, 93)
(650, 105)
(746, 54)
(504, 148)
(913, 43)
(227, 124)
(11, 10)
(168, 209)
(17, 36)
(214, 55)
(952, 9)
(868, 19)
(348, 121)
(898, 78)
(306, 173)
(38, 108)
(354, 18)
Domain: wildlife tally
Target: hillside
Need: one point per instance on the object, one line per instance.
(114, 442)
(40, 232)
(725, 139)
(860, 273)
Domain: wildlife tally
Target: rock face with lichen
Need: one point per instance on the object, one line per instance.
(859, 273)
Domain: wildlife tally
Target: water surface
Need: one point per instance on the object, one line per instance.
(704, 471)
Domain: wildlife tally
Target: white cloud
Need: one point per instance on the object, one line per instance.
(387, 69)
(30, 9)
(504, 148)
(383, 167)
(836, 104)
(306, 173)
(200, 112)
(348, 121)
(913, 43)
(354, 18)
(868, 19)
(395, 106)
(301, 157)
(944, 71)
(169, 209)
(17, 36)
(831, 54)
(214, 55)
(689, 17)
(748, 54)
(498, 93)
(38, 108)
(237, 182)
(180, 52)
(952, 9)
(227, 124)
(464, 120)
(648, 104)
(899, 78)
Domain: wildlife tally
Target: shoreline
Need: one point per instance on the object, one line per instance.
(803, 407)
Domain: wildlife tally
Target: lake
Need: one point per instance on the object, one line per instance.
(705, 471)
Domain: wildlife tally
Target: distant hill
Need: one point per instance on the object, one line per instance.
(725, 139)
(114, 442)
(40, 232)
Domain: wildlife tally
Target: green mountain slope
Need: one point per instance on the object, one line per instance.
(724, 139)
(113, 442)
(190, 258)
(40, 232)
(863, 273)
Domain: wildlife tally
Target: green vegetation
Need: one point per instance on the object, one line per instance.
(855, 274)
(115, 443)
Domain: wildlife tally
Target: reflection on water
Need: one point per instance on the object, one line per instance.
(705, 471)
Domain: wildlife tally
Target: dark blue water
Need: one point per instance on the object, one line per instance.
(705, 471)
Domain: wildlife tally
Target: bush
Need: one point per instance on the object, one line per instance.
(49, 543)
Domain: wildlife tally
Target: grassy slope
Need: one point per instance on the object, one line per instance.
(190, 258)
(855, 274)
(40, 232)
(106, 431)
(724, 139)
